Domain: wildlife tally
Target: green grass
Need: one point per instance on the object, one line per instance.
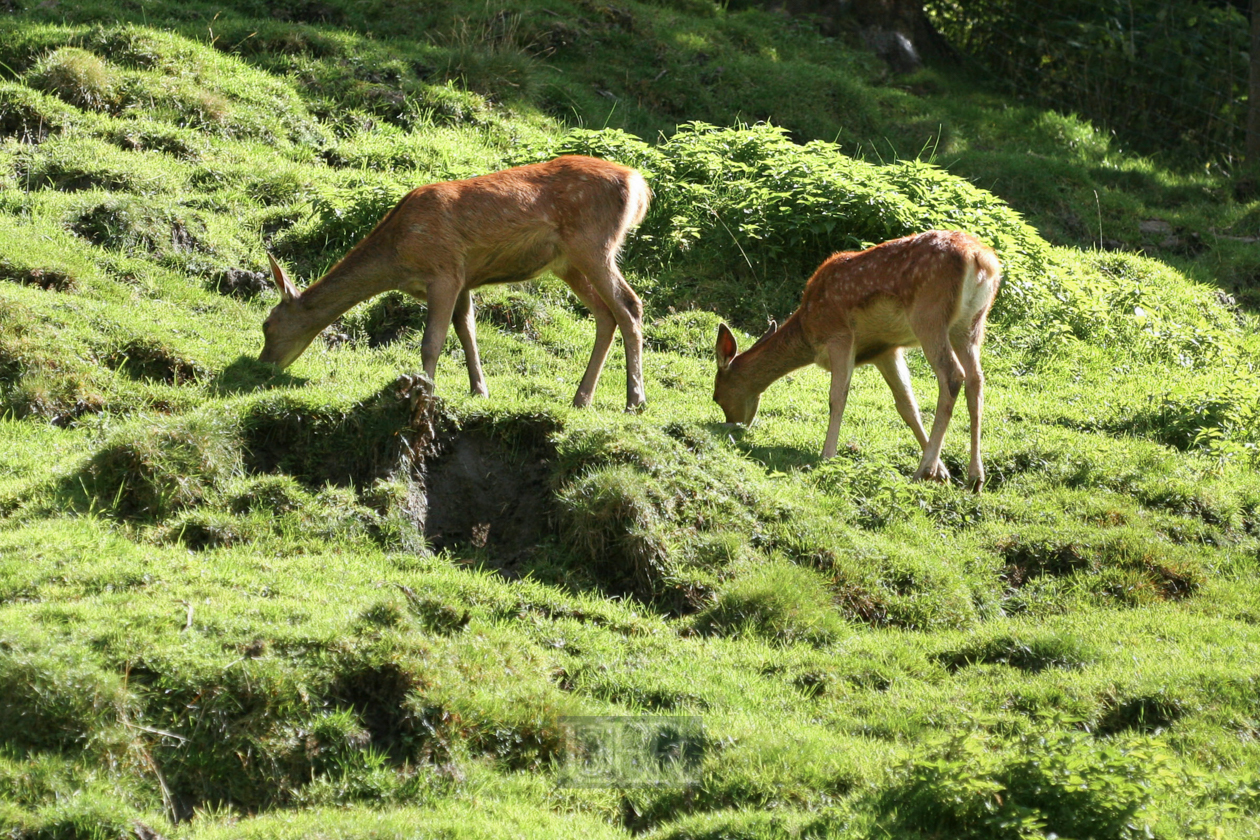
(222, 613)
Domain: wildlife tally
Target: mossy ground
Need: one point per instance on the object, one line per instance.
(220, 611)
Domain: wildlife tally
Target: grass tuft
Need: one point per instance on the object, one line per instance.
(156, 468)
(78, 77)
(779, 601)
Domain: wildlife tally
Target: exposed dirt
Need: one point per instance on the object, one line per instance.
(49, 279)
(240, 282)
(482, 494)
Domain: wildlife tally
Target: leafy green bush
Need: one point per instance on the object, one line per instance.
(1224, 419)
(1060, 782)
(742, 216)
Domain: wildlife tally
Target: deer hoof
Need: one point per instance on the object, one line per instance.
(936, 473)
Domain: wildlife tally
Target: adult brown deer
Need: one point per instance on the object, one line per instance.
(443, 240)
(933, 289)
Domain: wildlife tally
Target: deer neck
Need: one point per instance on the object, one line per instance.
(351, 281)
(782, 352)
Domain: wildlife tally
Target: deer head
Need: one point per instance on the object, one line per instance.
(732, 392)
(285, 333)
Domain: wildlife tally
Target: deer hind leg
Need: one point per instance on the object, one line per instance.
(627, 310)
(893, 367)
(840, 354)
(443, 299)
(605, 328)
(968, 349)
(949, 380)
(466, 329)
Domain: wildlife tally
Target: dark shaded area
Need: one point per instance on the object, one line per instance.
(49, 279)
(1032, 559)
(319, 444)
(1031, 655)
(517, 312)
(128, 223)
(1179, 421)
(307, 11)
(779, 458)
(247, 374)
(482, 494)
(898, 31)
(436, 616)
(203, 534)
(29, 119)
(150, 360)
(1169, 78)
(1172, 583)
(386, 319)
(378, 694)
(1149, 714)
(151, 476)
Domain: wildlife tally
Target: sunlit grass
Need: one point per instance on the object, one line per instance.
(217, 599)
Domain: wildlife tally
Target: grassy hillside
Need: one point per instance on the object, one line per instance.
(242, 603)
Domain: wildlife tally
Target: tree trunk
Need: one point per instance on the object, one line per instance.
(1252, 151)
(898, 31)
(907, 18)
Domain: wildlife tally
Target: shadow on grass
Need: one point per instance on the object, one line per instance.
(774, 458)
(782, 458)
(247, 374)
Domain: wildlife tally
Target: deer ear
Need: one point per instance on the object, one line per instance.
(774, 327)
(287, 290)
(726, 348)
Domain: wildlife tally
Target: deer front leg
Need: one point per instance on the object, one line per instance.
(443, 298)
(949, 379)
(892, 366)
(466, 329)
(840, 355)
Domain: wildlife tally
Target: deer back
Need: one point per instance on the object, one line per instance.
(881, 295)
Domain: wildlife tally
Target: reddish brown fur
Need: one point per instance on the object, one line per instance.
(442, 241)
(934, 289)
